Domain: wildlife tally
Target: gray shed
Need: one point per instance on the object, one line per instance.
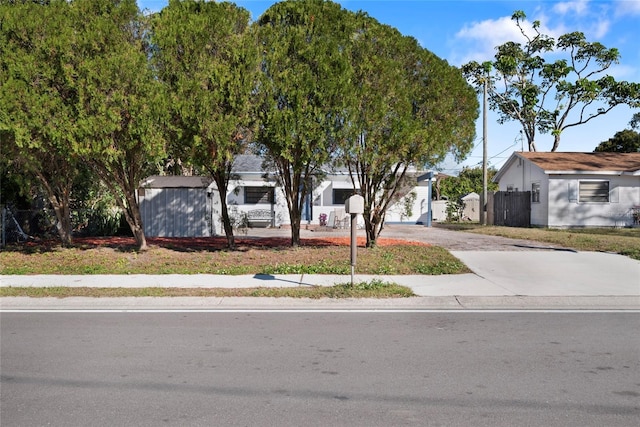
(176, 206)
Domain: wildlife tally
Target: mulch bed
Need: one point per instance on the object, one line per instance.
(219, 243)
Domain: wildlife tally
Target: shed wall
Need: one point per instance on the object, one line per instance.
(175, 212)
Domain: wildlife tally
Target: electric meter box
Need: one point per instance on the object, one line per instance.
(354, 204)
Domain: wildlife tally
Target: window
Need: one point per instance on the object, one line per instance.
(255, 195)
(535, 192)
(593, 191)
(340, 195)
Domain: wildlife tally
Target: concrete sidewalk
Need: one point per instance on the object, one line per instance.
(501, 279)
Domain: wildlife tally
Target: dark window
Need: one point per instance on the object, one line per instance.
(340, 195)
(594, 191)
(535, 192)
(255, 195)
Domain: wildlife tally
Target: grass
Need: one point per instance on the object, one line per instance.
(371, 289)
(623, 241)
(381, 260)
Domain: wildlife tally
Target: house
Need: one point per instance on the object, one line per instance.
(576, 189)
(254, 199)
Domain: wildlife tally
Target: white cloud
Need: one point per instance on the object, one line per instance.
(577, 7)
(478, 40)
(601, 28)
(627, 7)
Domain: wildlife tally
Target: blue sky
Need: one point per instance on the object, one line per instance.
(464, 30)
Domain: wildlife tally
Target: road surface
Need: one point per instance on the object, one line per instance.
(320, 369)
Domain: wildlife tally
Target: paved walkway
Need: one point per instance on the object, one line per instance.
(507, 273)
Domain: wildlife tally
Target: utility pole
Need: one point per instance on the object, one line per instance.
(483, 200)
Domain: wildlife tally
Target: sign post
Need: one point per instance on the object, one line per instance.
(354, 206)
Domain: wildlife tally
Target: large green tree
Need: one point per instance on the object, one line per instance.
(625, 141)
(120, 106)
(301, 93)
(38, 96)
(469, 180)
(407, 110)
(206, 57)
(552, 96)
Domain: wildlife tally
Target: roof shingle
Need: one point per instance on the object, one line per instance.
(584, 162)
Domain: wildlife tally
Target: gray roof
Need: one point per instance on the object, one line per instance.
(157, 181)
(247, 163)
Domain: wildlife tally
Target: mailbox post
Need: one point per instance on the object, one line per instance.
(354, 205)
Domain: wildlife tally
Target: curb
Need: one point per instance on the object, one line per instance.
(433, 303)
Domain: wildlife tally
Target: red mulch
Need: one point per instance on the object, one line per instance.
(214, 243)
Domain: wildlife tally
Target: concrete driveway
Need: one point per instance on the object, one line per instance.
(509, 267)
(463, 241)
(514, 267)
(555, 273)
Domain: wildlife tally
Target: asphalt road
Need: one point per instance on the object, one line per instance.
(324, 369)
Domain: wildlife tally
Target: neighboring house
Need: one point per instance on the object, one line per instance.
(254, 198)
(576, 189)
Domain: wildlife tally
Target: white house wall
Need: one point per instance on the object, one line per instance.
(624, 194)
(515, 176)
(196, 212)
(419, 208)
(519, 177)
(539, 210)
(236, 200)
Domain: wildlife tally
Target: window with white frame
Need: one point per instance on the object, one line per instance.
(535, 192)
(255, 195)
(593, 191)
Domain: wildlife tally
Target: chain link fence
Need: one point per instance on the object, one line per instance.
(18, 225)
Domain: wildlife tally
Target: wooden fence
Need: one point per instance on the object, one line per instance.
(509, 208)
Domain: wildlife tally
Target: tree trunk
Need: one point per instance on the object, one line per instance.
(63, 219)
(221, 183)
(292, 186)
(134, 219)
(295, 229)
(60, 201)
(138, 234)
(129, 204)
(295, 233)
(294, 215)
(373, 227)
(556, 142)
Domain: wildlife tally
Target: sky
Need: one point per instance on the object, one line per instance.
(463, 30)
